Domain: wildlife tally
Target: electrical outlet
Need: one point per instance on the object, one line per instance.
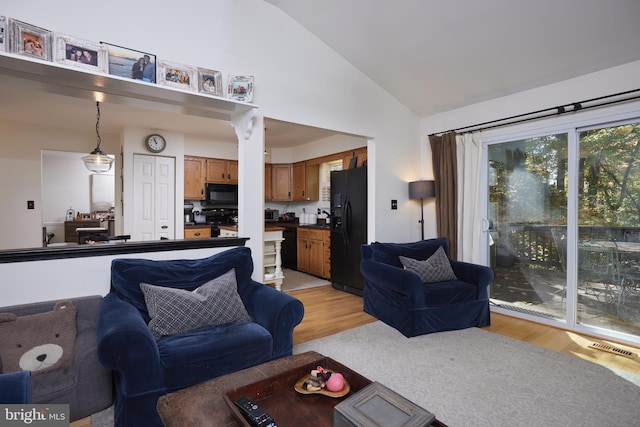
(31, 204)
(394, 204)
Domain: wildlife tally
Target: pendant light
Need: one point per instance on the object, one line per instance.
(98, 161)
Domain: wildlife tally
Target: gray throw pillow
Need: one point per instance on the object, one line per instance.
(436, 268)
(175, 311)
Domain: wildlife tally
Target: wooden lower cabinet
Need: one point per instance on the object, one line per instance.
(197, 232)
(312, 255)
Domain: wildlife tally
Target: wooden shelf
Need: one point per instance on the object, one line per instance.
(60, 79)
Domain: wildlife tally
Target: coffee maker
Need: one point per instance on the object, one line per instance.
(189, 218)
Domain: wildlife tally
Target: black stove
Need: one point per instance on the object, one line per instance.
(219, 216)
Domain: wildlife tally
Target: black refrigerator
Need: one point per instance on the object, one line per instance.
(348, 228)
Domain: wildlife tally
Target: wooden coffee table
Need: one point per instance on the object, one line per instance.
(270, 385)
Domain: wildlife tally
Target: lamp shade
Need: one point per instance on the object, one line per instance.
(98, 161)
(422, 189)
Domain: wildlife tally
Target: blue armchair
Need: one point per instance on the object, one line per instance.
(399, 298)
(145, 368)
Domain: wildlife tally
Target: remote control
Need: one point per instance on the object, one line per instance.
(254, 414)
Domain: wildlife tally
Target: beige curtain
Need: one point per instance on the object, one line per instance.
(469, 217)
(445, 174)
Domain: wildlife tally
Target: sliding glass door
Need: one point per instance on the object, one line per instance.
(564, 212)
(527, 211)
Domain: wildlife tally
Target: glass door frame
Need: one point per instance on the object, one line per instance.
(571, 125)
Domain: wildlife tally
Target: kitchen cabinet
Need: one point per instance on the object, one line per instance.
(295, 182)
(197, 232)
(281, 182)
(221, 171)
(360, 153)
(268, 186)
(326, 256)
(305, 181)
(194, 177)
(311, 250)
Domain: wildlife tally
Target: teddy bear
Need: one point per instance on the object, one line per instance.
(39, 342)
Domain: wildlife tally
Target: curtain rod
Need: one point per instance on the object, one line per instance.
(552, 111)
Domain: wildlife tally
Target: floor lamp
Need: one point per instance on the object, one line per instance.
(422, 190)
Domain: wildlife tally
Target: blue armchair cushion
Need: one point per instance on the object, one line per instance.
(389, 253)
(447, 293)
(128, 273)
(175, 311)
(436, 268)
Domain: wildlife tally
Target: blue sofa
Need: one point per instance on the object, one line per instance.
(145, 368)
(399, 298)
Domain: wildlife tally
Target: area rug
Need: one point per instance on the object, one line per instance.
(295, 280)
(476, 378)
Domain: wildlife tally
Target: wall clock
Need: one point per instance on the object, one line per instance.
(155, 143)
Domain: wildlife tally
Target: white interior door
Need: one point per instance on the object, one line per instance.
(153, 198)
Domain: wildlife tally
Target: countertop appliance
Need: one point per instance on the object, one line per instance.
(348, 228)
(221, 195)
(189, 218)
(271, 215)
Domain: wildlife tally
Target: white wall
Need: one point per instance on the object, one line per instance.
(602, 83)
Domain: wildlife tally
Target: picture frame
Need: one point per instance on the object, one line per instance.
(177, 75)
(210, 82)
(29, 40)
(130, 63)
(4, 34)
(85, 216)
(80, 53)
(240, 88)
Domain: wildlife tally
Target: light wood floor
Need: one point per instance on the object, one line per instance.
(329, 311)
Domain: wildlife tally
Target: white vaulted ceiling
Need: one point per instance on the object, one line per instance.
(438, 55)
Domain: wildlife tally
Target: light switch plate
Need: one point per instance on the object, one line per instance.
(394, 204)
(31, 204)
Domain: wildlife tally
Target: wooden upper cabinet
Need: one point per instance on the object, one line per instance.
(281, 182)
(306, 181)
(221, 171)
(194, 177)
(360, 153)
(268, 193)
(298, 183)
(232, 171)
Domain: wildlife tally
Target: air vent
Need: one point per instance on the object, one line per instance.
(611, 349)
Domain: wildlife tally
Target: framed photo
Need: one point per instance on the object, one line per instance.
(240, 88)
(3, 34)
(176, 75)
(80, 53)
(210, 81)
(85, 216)
(130, 64)
(29, 40)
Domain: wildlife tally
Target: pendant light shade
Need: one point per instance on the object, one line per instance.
(98, 161)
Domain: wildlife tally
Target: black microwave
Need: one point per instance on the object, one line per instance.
(222, 194)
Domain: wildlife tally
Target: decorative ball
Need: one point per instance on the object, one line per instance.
(335, 382)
